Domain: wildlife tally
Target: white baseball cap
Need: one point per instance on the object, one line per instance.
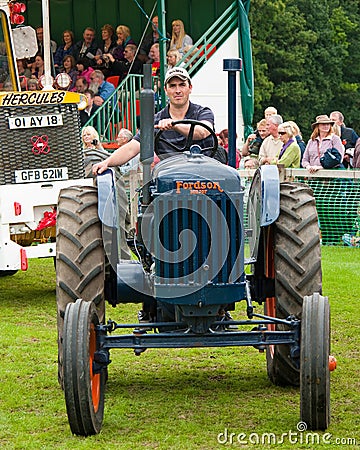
(179, 72)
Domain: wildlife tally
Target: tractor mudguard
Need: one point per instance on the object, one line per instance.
(270, 194)
(107, 210)
(263, 207)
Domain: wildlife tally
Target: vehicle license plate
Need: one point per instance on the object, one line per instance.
(38, 175)
(48, 120)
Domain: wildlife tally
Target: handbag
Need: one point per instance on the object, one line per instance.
(331, 158)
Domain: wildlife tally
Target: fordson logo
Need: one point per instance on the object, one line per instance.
(198, 187)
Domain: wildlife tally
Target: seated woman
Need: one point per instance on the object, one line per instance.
(38, 67)
(70, 69)
(124, 38)
(179, 38)
(63, 50)
(289, 154)
(84, 69)
(107, 45)
(92, 148)
(172, 57)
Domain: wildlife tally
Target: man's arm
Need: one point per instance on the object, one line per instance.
(106, 90)
(121, 156)
(263, 151)
(199, 132)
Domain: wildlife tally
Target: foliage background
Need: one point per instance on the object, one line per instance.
(306, 59)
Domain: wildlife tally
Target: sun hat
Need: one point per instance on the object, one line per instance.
(323, 118)
(179, 72)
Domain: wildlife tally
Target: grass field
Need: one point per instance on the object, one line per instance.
(170, 399)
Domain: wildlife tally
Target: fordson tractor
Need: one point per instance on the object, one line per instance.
(189, 271)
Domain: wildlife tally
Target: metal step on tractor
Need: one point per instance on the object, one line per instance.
(190, 271)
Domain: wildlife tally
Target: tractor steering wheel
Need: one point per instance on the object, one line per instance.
(189, 139)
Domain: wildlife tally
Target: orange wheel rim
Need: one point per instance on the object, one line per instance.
(94, 378)
(270, 273)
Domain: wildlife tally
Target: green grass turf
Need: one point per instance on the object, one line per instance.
(170, 399)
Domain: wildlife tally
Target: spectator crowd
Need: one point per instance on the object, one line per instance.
(115, 55)
(276, 141)
(91, 66)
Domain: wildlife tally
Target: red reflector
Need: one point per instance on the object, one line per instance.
(19, 7)
(23, 259)
(18, 19)
(17, 208)
(16, 10)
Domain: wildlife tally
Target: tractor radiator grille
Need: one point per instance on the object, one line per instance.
(64, 142)
(199, 239)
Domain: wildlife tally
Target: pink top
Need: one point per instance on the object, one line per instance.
(86, 74)
(313, 150)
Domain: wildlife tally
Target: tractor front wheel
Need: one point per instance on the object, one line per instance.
(83, 387)
(80, 256)
(314, 363)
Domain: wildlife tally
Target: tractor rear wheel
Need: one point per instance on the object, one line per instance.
(314, 363)
(80, 257)
(84, 389)
(293, 260)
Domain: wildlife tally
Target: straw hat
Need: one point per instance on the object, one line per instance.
(322, 119)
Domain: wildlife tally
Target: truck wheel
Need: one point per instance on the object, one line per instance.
(84, 390)
(79, 255)
(314, 363)
(293, 260)
(7, 273)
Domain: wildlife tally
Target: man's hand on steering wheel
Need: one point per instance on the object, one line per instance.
(165, 124)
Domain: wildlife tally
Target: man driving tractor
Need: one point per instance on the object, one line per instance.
(178, 88)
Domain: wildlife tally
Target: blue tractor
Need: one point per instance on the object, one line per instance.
(190, 272)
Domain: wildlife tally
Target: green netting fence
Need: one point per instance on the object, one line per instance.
(337, 195)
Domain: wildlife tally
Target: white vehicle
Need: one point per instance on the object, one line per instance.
(41, 151)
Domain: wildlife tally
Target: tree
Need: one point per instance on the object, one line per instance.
(300, 50)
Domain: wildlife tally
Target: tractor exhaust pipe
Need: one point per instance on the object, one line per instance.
(232, 66)
(147, 111)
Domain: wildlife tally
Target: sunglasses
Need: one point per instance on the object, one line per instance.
(282, 133)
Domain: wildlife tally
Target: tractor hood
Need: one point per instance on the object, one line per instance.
(195, 173)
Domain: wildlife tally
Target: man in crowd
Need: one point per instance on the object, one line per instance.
(272, 144)
(149, 39)
(40, 41)
(81, 85)
(102, 89)
(87, 47)
(348, 135)
(130, 64)
(91, 108)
